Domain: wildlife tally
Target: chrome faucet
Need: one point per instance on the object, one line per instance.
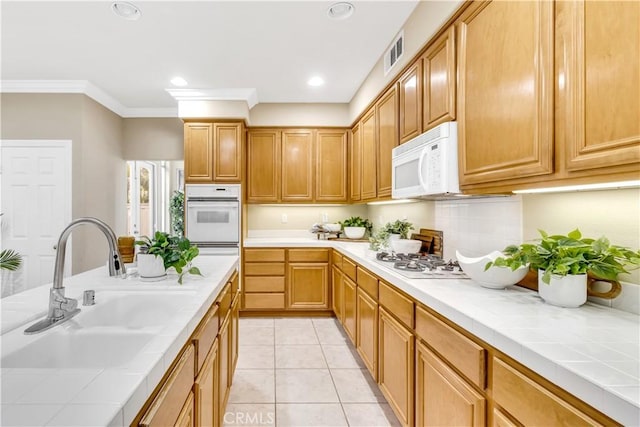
(62, 308)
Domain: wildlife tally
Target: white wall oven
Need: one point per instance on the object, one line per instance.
(213, 218)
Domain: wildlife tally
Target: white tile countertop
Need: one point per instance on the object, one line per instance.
(593, 352)
(94, 395)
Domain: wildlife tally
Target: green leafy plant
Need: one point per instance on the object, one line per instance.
(570, 254)
(356, 221)
(400, 227)
(10, 260)
(176, 212)
(175, 251)
(378, 240)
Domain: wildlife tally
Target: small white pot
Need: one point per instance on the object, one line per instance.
(563, 291)
(354, 232)
(150, 266)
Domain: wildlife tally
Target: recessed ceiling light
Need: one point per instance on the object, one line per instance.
(340, 10)
(315, 81)
(126, 10)
(178, 81)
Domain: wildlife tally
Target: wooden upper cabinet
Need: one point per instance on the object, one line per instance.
(228, 142)
(355, 160)
(387, 137)
(411, 102)
(505, 92)
(439, 81)
(369, 155)
(297, 166)
(598, 78)
(198, 152)
(331, 166)
(263, 166)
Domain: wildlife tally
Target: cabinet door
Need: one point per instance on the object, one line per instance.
(331, 166)
(308, 286)
(337, 290)
(369, 155)
(263, 166)
(349, 308)
(439, 81)
(598, 93)
(367, 331)
(227, 155)
(411, 102)
(297, 166)
(224, 340)
(443, 398)
(206, 390)
(187, 415)
(396, 372)
(387, 130)
(355, 159)
(198, 152)
(233, 346)
(505, 92)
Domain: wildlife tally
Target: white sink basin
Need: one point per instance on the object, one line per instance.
(78, 349)
(133, 310)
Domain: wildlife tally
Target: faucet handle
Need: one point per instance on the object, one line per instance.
(69, 304)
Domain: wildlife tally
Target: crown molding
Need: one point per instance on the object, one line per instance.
(87, 88)
(249, 95)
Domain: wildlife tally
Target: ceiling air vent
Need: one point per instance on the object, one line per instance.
(394, 53)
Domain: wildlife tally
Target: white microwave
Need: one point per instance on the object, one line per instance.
(427, 165)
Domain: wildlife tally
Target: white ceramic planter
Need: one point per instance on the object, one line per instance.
(354, 232)
(151, 267)
(563, 291)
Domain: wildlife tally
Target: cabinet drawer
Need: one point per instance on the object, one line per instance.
(336, 259)
(224, 302)
(465, 355)
(168, 404)
(368, 282)
(396, 303)
(349, 268)
(264, 255)
(205, 335)
(264, 284)
(530, 403)
(264, 301)
(308, 255)
(264, 269)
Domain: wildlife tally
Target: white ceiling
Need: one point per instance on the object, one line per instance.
(274, 47)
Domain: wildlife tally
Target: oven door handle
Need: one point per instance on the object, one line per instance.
(212, 204)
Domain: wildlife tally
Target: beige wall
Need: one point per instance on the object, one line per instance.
(261, 217)
(420, 213)
(153, 139)
(300, 115)
(98, 172)
(425, 20)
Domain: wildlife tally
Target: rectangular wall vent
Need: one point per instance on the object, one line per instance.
(394, 53)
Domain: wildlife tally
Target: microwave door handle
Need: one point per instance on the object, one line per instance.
(423, 155)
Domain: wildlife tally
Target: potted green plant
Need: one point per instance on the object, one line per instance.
(398, 227)
(378, 240)
(10, 260)
(176, 212)
(356, 227)
(167, 251)
(563, 263)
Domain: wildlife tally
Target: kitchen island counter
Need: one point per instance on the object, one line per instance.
(101, 395)
(592, 352)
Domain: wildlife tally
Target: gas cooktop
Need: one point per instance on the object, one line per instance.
(420, 266)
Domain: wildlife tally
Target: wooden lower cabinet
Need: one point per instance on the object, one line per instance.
(367, 331)
(308, 286)
(349, 308)
(396, 368)
(500, 419)
(206, 391)
(444, 398)
(224, 370)
(234, 325)
(337, 291)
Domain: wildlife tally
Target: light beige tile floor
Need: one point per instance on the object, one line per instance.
(295, 372)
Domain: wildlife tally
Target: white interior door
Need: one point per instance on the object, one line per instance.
(36, 206)
(142, 198)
